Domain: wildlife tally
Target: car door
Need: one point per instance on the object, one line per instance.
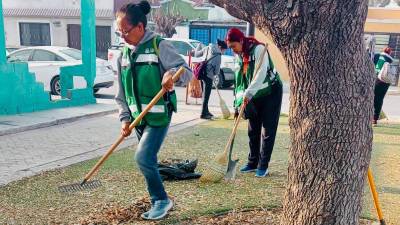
(46, 65)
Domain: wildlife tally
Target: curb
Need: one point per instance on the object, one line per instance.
(56, 122)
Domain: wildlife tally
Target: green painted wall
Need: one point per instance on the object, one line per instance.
(185, 9)
(19, 91)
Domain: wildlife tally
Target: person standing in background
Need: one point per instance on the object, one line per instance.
(382, 63)
(212, 54)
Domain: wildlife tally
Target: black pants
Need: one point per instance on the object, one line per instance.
(262, 127)
(206, 85)
(380, 91)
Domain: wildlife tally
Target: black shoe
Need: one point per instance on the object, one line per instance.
(206, 117)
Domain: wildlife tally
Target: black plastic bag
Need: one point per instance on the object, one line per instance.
(176, 169)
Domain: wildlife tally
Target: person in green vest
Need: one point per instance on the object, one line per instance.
(261, 92)
(146, 66)
(382, 63)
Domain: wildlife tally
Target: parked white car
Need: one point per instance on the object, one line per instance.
(226, 76)
(45, 62)
(183, 46)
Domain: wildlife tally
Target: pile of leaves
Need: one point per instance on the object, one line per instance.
(115, 214)
(122, 215)
(246, 217)
(241, 217)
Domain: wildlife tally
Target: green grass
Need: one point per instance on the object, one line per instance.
(385, 166)
(36, 200)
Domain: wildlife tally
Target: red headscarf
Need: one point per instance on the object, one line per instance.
(387, 50)
(235, 35)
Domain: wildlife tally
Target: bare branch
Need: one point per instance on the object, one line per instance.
(166, 23)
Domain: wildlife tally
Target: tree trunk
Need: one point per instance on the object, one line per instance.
(331, 100)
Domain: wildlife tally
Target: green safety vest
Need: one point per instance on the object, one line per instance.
(242, 82)
(379, 64)
(141, 78)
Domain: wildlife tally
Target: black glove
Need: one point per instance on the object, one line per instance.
(236, 113)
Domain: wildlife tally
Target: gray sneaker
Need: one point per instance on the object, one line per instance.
(158, 210)
(146, 214)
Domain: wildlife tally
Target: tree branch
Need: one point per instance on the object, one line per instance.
(270, 16)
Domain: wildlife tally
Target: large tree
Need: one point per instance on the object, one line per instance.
(331, 99)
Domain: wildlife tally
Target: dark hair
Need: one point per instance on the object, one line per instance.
(222, 44)
(135, 13)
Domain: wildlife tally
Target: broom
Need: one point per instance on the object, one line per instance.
(216, 171)
(224, 108)
(85, 185)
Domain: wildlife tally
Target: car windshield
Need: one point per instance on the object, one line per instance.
(196, 43)
(73, 53)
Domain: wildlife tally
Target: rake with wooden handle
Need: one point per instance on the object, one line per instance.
(375, 197)
(84, 185)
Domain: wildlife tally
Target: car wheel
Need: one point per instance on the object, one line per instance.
(55, 86)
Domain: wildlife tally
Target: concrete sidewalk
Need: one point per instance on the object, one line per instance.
(30, 121)
(34, 142)
(394, 90)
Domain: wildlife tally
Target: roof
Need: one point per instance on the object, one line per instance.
(55, 13)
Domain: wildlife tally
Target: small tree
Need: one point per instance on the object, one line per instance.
(166, 23)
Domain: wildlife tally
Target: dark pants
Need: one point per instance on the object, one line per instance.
(380, 91)
(263, 126)
(206, 85)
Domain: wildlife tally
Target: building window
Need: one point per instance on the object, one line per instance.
(34, 34)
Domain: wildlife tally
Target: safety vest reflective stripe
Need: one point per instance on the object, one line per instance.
(154, 109)
(143, 58)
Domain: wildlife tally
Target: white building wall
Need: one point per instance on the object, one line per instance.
(58, 29)
(220, 14)
(182, 32)
(54, 4)
(58, 26)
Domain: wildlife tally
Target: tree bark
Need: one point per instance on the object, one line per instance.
(331, 100)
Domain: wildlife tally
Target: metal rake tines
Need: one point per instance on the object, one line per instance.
(90, 185)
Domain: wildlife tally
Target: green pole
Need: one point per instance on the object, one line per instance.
(3, 58)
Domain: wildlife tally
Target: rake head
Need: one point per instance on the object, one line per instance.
(89, 185)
